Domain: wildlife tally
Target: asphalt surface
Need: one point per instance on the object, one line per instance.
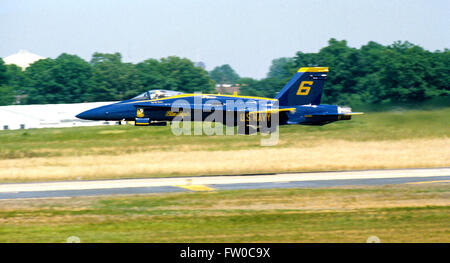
(226, 182)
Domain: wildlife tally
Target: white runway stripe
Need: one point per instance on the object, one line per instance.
(230, 179)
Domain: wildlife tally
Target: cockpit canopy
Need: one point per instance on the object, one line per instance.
(156, 94)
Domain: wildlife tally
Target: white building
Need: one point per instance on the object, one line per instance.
(47, 115)
(22, 59)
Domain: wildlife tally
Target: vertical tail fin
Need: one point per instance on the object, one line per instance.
(304, 88)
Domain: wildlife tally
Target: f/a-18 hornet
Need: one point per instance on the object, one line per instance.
(297, 103)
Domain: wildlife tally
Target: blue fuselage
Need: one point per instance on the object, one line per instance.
(166, 109)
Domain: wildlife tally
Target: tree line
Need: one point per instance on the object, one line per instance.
(70, 79)
(371, 74)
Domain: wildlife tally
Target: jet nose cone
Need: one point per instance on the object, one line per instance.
(93, 114)
(104, 113)
(84, 115)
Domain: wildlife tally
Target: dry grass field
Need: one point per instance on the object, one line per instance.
(319, 155)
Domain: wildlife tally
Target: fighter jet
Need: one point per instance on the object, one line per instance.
(297, 103)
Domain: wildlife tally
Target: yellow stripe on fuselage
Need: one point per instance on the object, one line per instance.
(313, 69)
(272, 111)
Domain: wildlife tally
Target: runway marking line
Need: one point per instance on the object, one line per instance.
(430, 182)
(196, 187)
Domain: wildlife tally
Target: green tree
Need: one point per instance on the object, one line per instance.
(281, 68)
(17, 78)
(403, 75)
(43, 88)
(182, 75)
(150, 75)
(401, 72)
(111, 78)
(3, 73)
(249, 87)
(17, 82)
(174, 73)
(439, 79)
(224, 74)
(268, 87)
(61, 80)
(7, 94)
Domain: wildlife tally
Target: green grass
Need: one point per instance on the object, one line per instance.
(129, 139)
(393, 213)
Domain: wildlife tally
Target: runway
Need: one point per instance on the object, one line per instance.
(224, 182)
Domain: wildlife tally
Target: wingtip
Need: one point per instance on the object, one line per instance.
(354, 113)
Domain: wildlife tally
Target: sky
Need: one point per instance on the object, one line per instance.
(246, 34)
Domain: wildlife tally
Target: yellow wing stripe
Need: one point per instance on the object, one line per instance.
(354, 113)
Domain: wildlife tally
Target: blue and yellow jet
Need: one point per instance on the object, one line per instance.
(297, 103)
